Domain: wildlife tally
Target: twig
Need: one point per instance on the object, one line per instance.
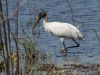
(9, 41)
(5, 40)
(15, 11)
(16, 36)
(51, 66)
(68, 2)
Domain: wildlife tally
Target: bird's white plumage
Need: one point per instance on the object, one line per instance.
(62, 30)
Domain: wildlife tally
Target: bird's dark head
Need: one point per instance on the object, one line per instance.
(42, 14)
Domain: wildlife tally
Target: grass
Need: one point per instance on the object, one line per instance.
(38, 63)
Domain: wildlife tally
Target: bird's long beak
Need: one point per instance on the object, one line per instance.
(36, 22)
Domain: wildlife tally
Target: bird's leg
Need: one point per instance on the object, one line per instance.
(64, 49)
(74, 46)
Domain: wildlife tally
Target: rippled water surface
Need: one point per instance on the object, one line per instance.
(84, 11)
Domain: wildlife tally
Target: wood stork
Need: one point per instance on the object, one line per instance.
(59, 29)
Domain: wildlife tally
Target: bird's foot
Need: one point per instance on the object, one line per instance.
(63, 49)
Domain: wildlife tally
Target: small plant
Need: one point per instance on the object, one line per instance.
(29, 47)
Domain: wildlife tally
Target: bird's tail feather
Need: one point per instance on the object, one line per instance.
(81, 36)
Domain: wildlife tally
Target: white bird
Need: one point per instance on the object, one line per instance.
(59, 29)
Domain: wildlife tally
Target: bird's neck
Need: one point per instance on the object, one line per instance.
(45, 21)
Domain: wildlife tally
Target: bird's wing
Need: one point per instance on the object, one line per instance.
(64, 30)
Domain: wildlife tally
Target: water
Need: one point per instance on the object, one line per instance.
(83, 11)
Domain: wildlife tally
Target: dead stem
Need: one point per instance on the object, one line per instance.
(49, 69)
